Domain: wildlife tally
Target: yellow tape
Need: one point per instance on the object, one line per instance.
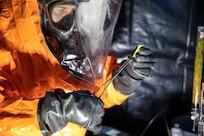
(137, 50)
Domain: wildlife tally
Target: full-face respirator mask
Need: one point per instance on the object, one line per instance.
(79, 33)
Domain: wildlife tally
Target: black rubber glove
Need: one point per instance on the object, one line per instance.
(137, 69)
(80, 107)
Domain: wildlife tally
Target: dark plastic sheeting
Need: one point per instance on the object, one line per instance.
(164, 26)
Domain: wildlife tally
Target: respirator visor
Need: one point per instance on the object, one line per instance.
(83, 33)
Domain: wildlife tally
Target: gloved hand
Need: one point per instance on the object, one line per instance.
(80, 107)
(137, 69)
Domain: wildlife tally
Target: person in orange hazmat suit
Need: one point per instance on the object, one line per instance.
(55, 65)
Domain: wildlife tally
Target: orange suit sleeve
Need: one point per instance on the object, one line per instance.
(107, 92)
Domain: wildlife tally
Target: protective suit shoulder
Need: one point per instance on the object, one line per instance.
(28, 68)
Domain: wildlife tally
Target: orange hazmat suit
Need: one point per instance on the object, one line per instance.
(28, 70)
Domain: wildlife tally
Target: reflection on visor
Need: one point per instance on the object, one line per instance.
(62, 16)
(79, 67)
